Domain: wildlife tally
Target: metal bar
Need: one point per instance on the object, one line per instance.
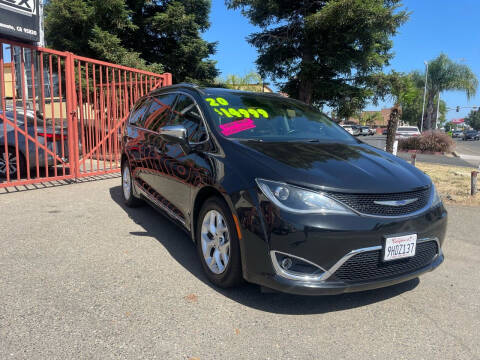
(60, 103)
(24, 102)
(14, 100)
(52, 107)
(102, 106)
(34, 106)
(110, 110)
(89, 122)
(131, 90)
(82, 114)
(42, 87)
(97, 114)
(36, 181)
(103, 172)
(72, 115)
(31, 138)
(107, 64)
(2, 84)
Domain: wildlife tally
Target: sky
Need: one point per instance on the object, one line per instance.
(435, 26)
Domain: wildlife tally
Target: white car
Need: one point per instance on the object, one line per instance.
(353, 130)
(407, 131)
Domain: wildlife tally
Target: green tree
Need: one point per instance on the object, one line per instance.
(370, 117)
(251, 82)
(443, 75)
(154, 35)
(412, 110)
(323, 52)
(473, 119)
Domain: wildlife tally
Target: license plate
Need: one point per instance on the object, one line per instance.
(400, 247)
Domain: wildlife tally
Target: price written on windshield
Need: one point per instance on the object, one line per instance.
(220, 106)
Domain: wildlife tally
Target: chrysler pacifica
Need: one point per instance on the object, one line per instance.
(273, 192)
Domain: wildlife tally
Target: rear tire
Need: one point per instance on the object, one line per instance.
(127, 187)
(218, 245)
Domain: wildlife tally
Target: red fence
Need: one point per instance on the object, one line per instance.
(61, 115)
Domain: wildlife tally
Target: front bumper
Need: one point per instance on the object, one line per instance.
(325, 240)
(307, 288)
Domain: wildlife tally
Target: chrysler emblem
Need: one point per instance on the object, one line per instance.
(396, 202)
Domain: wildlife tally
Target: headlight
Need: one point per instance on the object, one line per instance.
(436, 197)
(297, 200)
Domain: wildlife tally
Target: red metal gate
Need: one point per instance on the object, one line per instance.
(62, 114)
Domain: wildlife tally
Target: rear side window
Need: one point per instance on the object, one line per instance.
(187, 113)
(159, 112)
(138, 111)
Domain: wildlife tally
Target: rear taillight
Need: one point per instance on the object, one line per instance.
(55, 137)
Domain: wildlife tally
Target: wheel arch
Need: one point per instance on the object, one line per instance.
(201, 197)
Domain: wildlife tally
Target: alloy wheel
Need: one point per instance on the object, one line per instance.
(126, 183)
(12, 164)
(215, 240)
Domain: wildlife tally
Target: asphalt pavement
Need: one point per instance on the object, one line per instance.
(468, 151)
(84, 277)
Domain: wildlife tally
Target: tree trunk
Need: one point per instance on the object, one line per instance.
(430, 112)
(392, 127)
(305, 86)
(305, 91)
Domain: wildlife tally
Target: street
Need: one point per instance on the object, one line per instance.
(85, 277)
(468, 152)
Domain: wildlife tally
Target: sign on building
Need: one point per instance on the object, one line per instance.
(20, 19)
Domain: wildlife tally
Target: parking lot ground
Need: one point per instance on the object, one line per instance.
(469, 151)
(84, 277)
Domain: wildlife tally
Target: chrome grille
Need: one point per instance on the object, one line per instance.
(365, 203)
(369, 265)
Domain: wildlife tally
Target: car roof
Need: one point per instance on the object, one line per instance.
(214, 91)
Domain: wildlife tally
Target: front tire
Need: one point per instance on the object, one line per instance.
(127, 187)
(218, 245)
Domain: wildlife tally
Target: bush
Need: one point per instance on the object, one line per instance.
(431, 141)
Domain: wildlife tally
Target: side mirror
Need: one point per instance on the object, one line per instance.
(176, 134)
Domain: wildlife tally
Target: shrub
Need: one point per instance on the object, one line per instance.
(432, 141)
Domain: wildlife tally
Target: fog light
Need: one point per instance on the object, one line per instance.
(287, 263)
(295, 268)
(282, 193)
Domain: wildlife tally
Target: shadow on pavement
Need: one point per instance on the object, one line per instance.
(183, 250)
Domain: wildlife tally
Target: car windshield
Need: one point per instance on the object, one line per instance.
(407, 129)
(268, 118)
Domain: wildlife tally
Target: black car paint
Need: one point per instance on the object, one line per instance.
(177, 179)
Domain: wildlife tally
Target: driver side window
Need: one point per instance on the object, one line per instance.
(187, 113)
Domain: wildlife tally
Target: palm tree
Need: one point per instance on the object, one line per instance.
(443, 75)
(251, 81)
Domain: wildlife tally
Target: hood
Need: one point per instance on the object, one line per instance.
(355, 168)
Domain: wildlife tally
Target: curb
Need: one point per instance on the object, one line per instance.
(422, 152)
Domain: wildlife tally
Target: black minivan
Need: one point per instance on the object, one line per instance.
(275, 193)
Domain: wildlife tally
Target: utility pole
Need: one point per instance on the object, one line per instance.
(424, 95)
(41, 42)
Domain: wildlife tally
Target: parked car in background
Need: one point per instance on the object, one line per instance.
(471, 135)
(372, 131)
(357, 130)
(384, 131)
(272, 191)
(349, 128)
(407, 131)
(457, 134)
(45, 134)
(364, 130)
